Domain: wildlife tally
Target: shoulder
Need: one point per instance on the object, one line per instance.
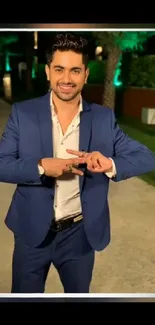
(30, 105)
(100, 111)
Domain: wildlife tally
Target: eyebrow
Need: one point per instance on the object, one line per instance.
(61, 67)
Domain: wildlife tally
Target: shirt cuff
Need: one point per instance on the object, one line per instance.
(40, 170)
(113, 172)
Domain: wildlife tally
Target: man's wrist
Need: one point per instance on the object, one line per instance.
(112, 171)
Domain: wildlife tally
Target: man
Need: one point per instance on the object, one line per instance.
(61, 152)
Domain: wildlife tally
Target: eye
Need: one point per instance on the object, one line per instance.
(58, 70)
(76, 71)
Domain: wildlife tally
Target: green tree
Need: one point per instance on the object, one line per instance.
(114, 44)
(6, 40)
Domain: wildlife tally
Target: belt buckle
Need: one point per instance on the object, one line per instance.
(56, 226)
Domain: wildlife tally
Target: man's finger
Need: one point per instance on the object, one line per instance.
(73, 170)
(75, 161)
(89, 160)
(95, 161)
(76, 152)
(77, 171)
(96, 170)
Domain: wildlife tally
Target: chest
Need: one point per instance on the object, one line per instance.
(65, 136)
(48, 139)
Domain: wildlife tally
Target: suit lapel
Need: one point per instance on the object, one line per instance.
(45, 125)
(85, 132)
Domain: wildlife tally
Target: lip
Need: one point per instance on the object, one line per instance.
(65, 88)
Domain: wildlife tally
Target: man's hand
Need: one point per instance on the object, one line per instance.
(95, 161)
(55, 167)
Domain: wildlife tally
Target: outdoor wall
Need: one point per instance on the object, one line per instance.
(93, 93)
(135, 99)
(130, 103)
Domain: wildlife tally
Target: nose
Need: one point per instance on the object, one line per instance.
(66, 77)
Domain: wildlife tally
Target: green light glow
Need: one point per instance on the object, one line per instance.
(116, 81)
(7, 63)
(34, 67)
(33, 73)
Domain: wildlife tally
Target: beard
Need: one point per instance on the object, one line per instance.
(65, 95)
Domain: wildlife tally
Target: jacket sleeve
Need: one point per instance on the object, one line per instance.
(13, 169)
(131, 158)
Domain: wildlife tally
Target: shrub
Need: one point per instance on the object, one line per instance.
(97, 72)
(142, 72)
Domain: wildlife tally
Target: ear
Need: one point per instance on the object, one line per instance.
(47, 72)
(87, 75)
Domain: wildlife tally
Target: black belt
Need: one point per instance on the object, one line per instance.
(63, 224)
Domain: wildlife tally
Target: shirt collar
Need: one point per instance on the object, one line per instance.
(52, 106)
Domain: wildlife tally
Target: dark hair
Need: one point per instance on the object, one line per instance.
(68, 42)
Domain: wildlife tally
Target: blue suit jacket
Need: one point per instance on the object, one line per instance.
(28, 137)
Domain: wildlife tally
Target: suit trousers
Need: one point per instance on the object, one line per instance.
(70, 253)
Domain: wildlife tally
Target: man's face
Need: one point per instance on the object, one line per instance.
(67, 74)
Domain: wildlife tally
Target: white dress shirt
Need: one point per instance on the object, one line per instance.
(67, 194)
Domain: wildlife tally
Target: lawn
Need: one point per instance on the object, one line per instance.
(144, 134)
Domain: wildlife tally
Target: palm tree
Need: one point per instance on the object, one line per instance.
(114, 44)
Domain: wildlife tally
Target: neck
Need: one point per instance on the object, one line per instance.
(61, 106)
